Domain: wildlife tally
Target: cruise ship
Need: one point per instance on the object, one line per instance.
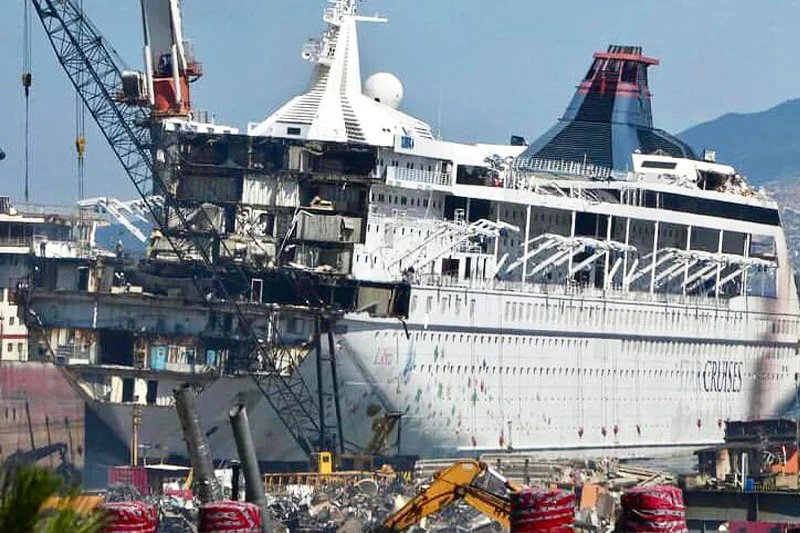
(603, 289)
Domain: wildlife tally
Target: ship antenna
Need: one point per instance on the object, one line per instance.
(439, 113)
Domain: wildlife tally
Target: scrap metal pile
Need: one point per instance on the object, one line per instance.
(362, 507)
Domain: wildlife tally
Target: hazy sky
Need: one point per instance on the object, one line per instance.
(489, 69)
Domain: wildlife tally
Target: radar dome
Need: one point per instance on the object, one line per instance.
(384, 88)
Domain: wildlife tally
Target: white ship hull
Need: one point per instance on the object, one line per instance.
(486, 371)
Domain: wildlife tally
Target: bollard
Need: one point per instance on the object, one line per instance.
(542, 511)
(129, 517)
(229, 517)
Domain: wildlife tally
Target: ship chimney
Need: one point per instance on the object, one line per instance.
(610, 116)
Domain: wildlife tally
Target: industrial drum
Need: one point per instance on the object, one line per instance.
(542, 511)
(230, 517)
(129, 517)
(653, 510)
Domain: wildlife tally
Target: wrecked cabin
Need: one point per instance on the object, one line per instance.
(272, 203)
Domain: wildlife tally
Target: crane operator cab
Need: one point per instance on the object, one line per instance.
(165, 65)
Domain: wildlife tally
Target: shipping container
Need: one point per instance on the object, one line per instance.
(131, 476)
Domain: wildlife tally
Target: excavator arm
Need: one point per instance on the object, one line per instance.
(449, 485)
(495, 507)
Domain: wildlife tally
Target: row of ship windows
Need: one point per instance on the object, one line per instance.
(401, 231)
(635, 347)
(594, 315)
(615, 399)
(672, 349)
(481, 430)
(396, 163)
(404, 200)
(586, 372)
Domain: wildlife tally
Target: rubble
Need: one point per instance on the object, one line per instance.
(363, 504)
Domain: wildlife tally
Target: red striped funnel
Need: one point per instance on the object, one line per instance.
(542, 511)
(230, 517)
(653, 510)
(129, 517)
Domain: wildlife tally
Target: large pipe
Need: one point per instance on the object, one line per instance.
(208, 488)
(254, 487)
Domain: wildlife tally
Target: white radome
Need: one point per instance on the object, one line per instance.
(384, 88)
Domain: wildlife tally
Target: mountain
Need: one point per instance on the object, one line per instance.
(764, 146)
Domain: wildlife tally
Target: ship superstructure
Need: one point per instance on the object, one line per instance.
(602, 288)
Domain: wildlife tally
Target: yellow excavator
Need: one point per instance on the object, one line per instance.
(457, 482)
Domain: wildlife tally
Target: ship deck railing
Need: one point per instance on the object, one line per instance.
(16, 242)
(581, 291)
(416, 175)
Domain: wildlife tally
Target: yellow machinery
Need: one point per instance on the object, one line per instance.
(453, 483)
(324, 462)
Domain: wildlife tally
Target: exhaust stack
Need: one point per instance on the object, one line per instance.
(208, 488)
(254, 487)
(610, 117)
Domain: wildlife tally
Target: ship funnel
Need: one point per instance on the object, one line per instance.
(610, 117)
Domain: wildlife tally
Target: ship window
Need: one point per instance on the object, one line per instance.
(19, 347)
(10, 347)
(666, 165)
(293, 131)
(425, 202)
(127, 390)
(11, 321)
(152, 392)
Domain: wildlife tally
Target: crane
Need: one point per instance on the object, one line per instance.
(129, 108)
(456, 482)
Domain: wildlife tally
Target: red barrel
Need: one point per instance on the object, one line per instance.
(129, 517)
(542, 511)
(653, 510)
(230, 517)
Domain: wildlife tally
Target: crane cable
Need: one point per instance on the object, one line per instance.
(27, 82)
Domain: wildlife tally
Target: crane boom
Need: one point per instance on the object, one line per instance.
(95, 71)
(92, 67)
